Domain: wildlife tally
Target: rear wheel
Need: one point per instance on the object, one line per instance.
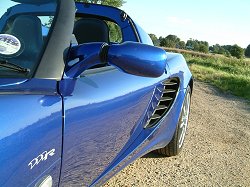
(176, 144)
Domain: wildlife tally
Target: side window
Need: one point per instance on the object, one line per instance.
(115, 33)
(89, 29)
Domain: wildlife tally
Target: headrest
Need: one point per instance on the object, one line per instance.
(28, 29)
(89, 30)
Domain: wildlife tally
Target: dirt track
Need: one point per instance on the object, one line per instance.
(216, 150)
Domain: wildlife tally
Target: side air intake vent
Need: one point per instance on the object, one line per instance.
(164, 97)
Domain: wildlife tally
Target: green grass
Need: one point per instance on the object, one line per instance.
(228, 74)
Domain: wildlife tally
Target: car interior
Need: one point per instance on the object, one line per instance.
(23, 27)
(87, 30)
(91, 30)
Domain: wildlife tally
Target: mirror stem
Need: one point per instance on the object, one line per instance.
(89, 55)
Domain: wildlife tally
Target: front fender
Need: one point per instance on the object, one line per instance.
(178, 68)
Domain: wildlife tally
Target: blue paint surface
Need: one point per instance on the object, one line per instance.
(31, 123)
(94, 122)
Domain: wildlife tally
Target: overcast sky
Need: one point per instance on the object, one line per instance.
(215, 21)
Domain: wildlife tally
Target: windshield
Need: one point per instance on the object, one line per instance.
(24, 30)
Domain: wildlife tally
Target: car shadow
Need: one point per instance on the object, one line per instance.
(153, 154)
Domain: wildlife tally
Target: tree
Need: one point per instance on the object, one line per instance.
(203, 48)
(115, 34)
(181, 45)
(154, 39)
(205, 43)
(163, 42)
(189, 44)
(215, 48)
(115, 3)
(173, 38)
(196, 45)
(227, 53)
(237, 51)
(169, 41)
(247, 51)
(193, 44)
(222, 51)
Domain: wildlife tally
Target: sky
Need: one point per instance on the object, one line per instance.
(226, 22)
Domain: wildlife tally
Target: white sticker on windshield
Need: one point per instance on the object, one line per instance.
(9, 44)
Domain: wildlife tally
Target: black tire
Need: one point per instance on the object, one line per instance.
(176, 144)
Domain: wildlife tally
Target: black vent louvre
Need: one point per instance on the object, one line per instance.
(164, 97)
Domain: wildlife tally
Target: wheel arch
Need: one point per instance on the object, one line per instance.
(191, 84)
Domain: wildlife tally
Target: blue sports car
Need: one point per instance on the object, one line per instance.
(83, 93)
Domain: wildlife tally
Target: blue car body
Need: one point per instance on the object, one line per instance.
(81, 130)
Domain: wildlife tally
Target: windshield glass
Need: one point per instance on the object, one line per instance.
(24, 29)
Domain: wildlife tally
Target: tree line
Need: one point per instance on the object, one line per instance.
(172, 41)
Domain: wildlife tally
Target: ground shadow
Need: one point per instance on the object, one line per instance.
(154, 154)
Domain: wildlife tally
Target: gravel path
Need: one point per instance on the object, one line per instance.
(216, 150)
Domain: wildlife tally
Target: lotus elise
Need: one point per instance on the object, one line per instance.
(83, 93)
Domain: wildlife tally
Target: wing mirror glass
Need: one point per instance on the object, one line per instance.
(130, 57)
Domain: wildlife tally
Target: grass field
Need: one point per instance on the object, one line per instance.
(228, 74)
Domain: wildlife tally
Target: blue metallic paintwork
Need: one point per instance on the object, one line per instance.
(138, 59)
(146, 141)
(103, 113)
(31, 118)
(129, 57)
(178, 68)
(104, 118)
(25, 86)
(11, 82)
(88, 55)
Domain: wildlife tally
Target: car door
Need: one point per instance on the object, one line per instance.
(31, 131)
(104, 109)
(31, 112)
(103, 112)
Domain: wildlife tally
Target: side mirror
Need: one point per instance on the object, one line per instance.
(130, 57)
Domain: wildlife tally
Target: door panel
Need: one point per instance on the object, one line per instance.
(103, 109)
(31, 128)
